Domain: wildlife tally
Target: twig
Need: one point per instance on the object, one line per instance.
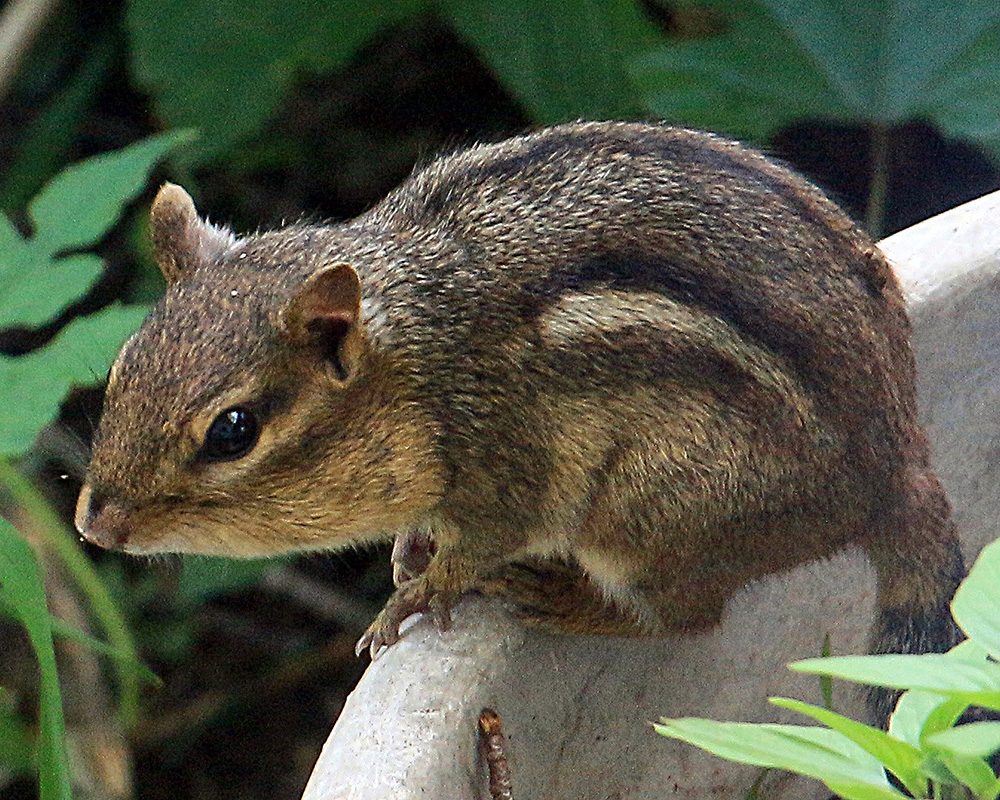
(493, 745)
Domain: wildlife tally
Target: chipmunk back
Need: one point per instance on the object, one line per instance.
(647, 359)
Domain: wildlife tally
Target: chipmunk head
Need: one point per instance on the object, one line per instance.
(251, 413)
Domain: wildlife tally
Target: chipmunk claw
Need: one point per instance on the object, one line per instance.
(413, 597)
(374, 639)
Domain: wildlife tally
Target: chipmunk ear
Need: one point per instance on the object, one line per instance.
(326, 310)
(181, 239)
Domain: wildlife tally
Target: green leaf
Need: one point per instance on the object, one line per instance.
(976, 602)
(978, 684)
(902, 759)
(970, 772)
(825, 683)
(39, 291)
(974, 739)
(878, 63)
(32, 386)
(74, 210)
(126, 658)
(78, 206)
(562, 60)
(817, 753)
(204, 577)
(750, 79)
(60, 545)
(21, 589)
(918, 714)
(222, 66)
(16, 751)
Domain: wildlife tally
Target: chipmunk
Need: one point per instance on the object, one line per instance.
(612, 371)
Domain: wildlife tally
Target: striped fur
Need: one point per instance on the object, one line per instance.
(615, 371)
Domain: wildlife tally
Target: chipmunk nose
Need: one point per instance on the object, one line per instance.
(103, 532)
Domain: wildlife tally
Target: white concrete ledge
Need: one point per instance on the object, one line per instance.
(576, 709)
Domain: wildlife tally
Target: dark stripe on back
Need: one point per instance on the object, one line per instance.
(743, 309)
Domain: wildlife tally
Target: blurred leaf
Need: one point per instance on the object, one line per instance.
(879, 63)
(204, 577)
(127, 659)
(969, 771)
(222, 66)
(21, 590)
(16, 751)
(977, 684)
(902, 759)
(32, 386)
(816, 752)
(562, 60)
(918, 714)
(722, 82)
(78, 206)
(964, 749)
(74, 210)
(825, 682)
(39, 292)
(977, 600)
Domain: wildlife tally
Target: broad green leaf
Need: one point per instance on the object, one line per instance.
(817, 753)
(32, 386)
(562, 60)
(74, 210)
(22, 590)
(901, 758)
(879, 63)
(750, 79)
(222, 66)
(39, 291)
(976, 603)
(78, 206)
(10, 241)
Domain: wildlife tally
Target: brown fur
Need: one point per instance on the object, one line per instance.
(615, 371)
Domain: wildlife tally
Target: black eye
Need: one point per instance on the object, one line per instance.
(231, 435)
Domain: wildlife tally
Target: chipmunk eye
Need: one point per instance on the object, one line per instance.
(231, 435)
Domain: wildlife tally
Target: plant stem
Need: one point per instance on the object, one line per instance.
(47, 524)
(878, 189)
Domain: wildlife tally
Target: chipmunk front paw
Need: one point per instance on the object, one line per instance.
(413, 597)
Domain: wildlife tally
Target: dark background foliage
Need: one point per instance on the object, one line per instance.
(315, 110)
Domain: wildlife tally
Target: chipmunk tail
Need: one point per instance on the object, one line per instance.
(919, 565)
